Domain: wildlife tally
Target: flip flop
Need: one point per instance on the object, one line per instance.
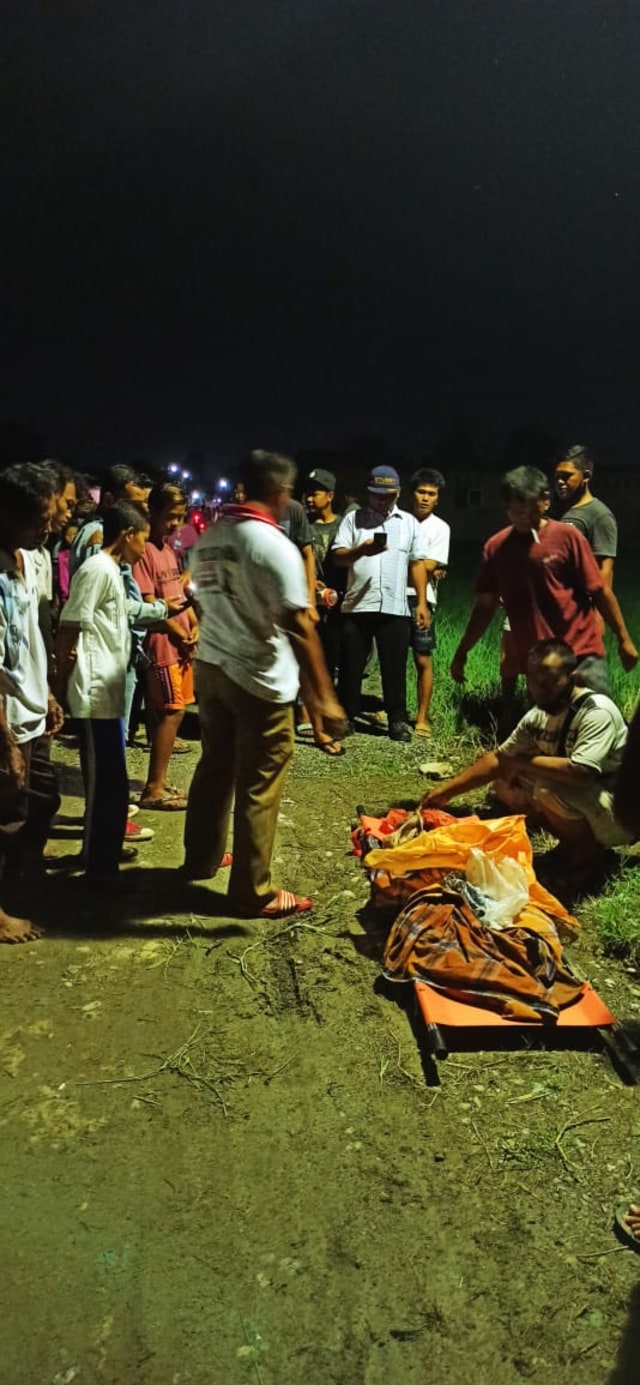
(183, 748)
(622, 1230)
(423, 731)
(190, 873)
(164, 803)
(332, 748)
(284, 905)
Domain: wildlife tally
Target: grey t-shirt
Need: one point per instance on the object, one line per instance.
(595, 736)
(598, 524)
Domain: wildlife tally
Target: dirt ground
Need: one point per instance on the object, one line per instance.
(224, 1162)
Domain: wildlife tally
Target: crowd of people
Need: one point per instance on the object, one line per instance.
(269, 618)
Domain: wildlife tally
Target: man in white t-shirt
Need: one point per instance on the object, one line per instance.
(28, 712)
(427, 485)
(256, 634)
(382, 549)
(559, 765)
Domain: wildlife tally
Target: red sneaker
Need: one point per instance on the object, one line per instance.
(134, 833)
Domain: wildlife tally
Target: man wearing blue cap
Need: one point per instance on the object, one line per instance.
(382, 547)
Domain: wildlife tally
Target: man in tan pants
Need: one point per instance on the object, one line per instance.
(256, 635)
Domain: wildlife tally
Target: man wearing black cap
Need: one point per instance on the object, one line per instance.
(319, 491)
(381, 546)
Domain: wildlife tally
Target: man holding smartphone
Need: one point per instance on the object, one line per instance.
(382, 548)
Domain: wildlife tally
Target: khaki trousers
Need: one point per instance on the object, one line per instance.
(247, 744)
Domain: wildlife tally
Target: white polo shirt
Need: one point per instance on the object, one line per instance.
(437, 535)
(379, 583)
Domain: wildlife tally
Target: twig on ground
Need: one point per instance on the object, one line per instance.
(178, 1063)
(265, 942)
(574, 1125)
(577, 1355)
(383, 1065)
(483, 1144)
(276, 1071)
(181, 1064)
(597, 1254)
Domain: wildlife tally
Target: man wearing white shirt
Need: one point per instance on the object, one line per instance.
(28, 712)
(256, 635)
(382, 548)
(426, 485)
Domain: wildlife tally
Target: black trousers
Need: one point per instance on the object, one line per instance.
(391, 635)
(329, 628)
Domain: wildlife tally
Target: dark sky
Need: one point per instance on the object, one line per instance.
(287, 221)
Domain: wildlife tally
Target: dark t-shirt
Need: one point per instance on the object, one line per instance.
(546, 586)
(322, 536)
(598, 524)
(295, 524)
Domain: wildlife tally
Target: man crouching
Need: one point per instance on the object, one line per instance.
(559, 764)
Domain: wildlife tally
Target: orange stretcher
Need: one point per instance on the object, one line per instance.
(439, 1011)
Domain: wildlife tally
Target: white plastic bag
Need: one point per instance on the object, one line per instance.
(503, 885)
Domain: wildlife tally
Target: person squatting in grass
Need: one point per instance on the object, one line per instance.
(549, 582)
(170, 647)
(256, 635)
(29, 713)
(382, 548)
(426, 486)
(559, 764)
(92, 655)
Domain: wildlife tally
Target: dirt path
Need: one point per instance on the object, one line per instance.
(274, 1194)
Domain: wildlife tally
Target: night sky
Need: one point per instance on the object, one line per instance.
(259, 222)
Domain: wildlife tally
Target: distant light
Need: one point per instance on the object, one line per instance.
(173, 468)
(223, 485)
(195, 495)
(186, 475)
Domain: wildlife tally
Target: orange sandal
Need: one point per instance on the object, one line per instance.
(284, 905)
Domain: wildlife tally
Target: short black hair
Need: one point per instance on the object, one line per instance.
(23, 487)
(427, 476)
(62, 474)
(579, 457)
(121, 516)
(263, 473)
(117, 478)
(524, 483)
(543, 649)
(164, 495)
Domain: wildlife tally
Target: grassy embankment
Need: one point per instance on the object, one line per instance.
(466, 719)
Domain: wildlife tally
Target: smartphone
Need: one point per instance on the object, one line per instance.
(379, 541)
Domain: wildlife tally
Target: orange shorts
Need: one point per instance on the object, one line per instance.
(169, 688)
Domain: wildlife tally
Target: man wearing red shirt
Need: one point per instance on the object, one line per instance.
(549, 583)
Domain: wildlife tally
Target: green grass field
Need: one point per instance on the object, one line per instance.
(466, 719)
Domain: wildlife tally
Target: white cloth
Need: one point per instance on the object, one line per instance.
(436, 533)
(44, 572)
(379, 582)
(98, 604)
(247, 574)
(23, 656)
